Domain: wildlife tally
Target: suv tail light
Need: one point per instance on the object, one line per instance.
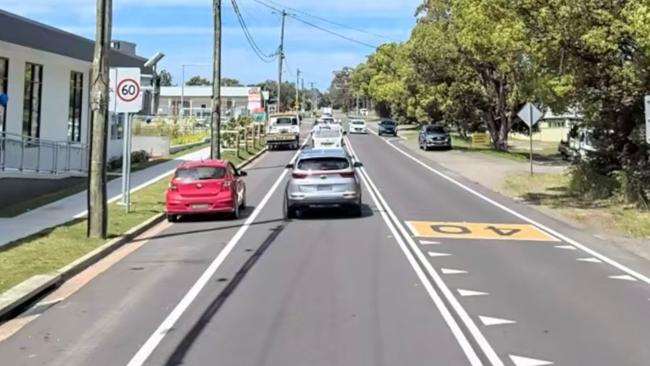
(173, 187)
(299, 175)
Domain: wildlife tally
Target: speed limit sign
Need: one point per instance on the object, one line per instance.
(126, 92)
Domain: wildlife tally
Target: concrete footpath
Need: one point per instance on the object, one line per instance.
(66, 209)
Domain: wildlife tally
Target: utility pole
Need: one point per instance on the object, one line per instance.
(97, 207)
(215, 123)
(302, 95)
(298, 90)
(280, 60)
(313, 98)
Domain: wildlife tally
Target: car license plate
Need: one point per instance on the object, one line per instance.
(200, 206)
(322, 188)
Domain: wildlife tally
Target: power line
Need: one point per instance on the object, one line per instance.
(249, 37)
(296, 17)
(329, 21)
(332, 32)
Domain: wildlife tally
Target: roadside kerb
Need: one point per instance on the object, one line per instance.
(36, 286)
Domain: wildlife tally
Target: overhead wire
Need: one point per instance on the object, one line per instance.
(316, 26)
(325, 20)
(249, 37)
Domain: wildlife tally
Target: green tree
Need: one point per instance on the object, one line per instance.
(198, 81)
(230, 82)
(164, 78)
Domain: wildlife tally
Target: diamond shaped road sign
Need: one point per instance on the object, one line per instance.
(530, 114)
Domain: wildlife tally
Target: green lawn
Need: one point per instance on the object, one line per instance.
(54, 248)
(550, 190)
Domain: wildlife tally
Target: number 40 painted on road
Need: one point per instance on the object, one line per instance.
(466, 230)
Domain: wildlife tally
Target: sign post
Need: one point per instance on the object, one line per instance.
(126, 97)
(530, 115)
(647, 119)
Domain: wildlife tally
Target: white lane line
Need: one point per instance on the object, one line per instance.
(525, 361)
(437, 254)
(624, 278)
(550, 231)
(154, 340)
(428, 242)
(488, 321)
(395, 225)
(451, 271)
(468, 293)
(566, 247)
(589, 260)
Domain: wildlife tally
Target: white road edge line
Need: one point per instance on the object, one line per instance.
(395, 225)
(154, 340)
(526, 218)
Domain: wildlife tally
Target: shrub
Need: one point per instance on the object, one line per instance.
(591, 184)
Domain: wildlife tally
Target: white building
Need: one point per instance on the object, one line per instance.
(46, 74)
(197, 100)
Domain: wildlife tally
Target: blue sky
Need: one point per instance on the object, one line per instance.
(182, 30)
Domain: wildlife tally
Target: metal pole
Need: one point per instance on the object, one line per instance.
(180, 109)
(125, 159)
(128, 162)
(280, 60)
(215, 130)
(297, 106)
(531, 139)
(302, 95)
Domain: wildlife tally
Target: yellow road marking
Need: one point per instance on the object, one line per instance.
(468, 230)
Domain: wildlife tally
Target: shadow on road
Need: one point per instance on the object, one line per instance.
(192, 335)
(334, 213)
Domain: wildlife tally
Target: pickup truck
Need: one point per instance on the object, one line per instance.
(283, 131)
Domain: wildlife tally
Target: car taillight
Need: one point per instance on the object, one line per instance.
(347, 175)
(227, 183)
(300, 175)
(173, 187)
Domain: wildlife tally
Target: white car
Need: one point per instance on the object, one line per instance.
(358, 126)
(327, 138)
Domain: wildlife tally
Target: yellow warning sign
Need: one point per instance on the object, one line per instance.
(479, 138)
(467, 230)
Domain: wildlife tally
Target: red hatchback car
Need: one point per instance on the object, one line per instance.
(208, 186)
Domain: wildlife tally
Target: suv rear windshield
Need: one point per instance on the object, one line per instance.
(200, 173)
(286, 121)
(324, 133)
(388, 123)
(323, 164)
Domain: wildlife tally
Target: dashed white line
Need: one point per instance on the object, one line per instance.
(589, 260)
(566, 247)
(437, 254)
(488, 321)
(525, 361)
(452, 271)
(429, 242)
(624, 278)
(468, 293)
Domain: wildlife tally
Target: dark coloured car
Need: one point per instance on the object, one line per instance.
(387, 127)
(434, 136)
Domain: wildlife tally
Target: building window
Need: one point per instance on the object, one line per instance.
(75, 105)
(4, 85)
(32, 100)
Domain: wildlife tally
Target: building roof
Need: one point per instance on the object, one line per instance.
(206, 91)
(29, 33)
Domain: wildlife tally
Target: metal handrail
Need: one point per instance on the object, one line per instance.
(17, 152)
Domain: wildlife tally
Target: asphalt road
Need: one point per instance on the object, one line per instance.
(437, 271)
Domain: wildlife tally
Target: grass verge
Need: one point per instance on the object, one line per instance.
(551, 191)
(54, 248)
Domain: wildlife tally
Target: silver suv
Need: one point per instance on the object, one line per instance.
(323, 178)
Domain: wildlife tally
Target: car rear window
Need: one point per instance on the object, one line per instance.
(435, 129)
(328, 163)
(388, 123)
(286, 121)
(357, 122)
(323, 133)
(200, 173)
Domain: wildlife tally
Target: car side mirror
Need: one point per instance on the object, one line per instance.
(358, 164)
(242, 173)
(289, 166)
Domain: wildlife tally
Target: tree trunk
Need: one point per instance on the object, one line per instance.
(97, 207)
